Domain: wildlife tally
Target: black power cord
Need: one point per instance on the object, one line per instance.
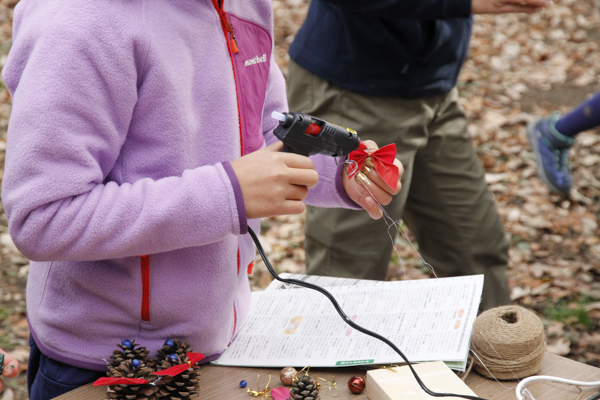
(350, 322)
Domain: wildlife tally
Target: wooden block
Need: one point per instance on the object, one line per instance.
(385, 384)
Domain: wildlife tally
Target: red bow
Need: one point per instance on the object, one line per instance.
(383, 162)
(119, 381)
(193, 358)
(280, 393)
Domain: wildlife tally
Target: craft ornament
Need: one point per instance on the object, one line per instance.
(287, 375)
(136, 363)
(332, 385)
(305, 387)
(259, 392)
(382, 160)
(193, 358)
(356, 384)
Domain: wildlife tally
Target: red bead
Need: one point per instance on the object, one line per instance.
(356, 384)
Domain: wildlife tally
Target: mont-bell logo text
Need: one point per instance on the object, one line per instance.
(256, 60)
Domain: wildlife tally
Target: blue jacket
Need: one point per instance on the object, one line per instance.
(392, 48)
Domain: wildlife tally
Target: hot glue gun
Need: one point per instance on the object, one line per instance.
(307, 135)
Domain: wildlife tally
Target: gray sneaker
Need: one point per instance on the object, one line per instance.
(551, 149)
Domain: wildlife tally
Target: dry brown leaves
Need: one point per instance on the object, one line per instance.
(519, 67)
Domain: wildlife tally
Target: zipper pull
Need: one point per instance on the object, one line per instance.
(233, 42)
(234, 46)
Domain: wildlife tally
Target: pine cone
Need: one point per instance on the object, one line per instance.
(179, 387)
(172, 346)
(132, 392)
(305, 388)
(129, 351)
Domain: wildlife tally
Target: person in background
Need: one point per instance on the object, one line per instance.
(551, 138)
(9, 367)
(140, 150)
(388, 69)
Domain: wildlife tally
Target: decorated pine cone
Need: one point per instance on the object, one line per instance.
(181, 386)
(305, 388)
(132, 369)
(171, 346)
(129, 350)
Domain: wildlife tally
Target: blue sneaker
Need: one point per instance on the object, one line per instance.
(551, 149)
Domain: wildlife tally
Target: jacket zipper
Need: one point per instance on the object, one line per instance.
(145, 264)
(233, 48)
(227, 27)
(225, 24)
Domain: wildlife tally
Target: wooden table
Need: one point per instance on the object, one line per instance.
(223, 383)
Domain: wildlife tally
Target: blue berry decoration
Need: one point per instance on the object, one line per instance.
(173, 358)
(169, 343)
(126, 343)
(243, 384)
(136, 363)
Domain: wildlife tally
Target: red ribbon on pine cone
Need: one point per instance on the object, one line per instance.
(383, 162)
(119, 381)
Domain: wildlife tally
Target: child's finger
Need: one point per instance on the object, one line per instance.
(301, 170)
(531, 3)
(368, 195)
(521, 6)
(297, 161)
(293, 207)
(10, 366)
(522, 9)
(366, 188)
(374, 177)
(371, 145)
(296, 192)
(370, 206)
(304, 177)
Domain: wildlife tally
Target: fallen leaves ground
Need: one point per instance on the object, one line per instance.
(519, 67)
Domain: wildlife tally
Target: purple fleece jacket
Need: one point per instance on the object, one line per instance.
(125, 117)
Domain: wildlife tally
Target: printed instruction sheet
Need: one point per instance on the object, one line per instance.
(428, 320)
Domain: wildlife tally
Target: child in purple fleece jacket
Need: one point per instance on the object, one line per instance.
(139, 150)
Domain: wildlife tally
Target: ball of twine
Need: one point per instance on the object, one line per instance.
(509, 341)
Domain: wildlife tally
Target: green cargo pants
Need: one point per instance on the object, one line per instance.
(444, 200)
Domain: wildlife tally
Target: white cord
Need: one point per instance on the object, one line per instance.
(520, 387)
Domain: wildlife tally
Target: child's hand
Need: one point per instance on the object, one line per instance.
(508, 6)
(367, 188)
(274, 183)
(10, 367)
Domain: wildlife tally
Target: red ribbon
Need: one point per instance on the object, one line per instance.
(280, 393)
(383, 162)
(119, 381)
(193, 358)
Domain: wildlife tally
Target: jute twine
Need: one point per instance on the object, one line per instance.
(510, 342)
